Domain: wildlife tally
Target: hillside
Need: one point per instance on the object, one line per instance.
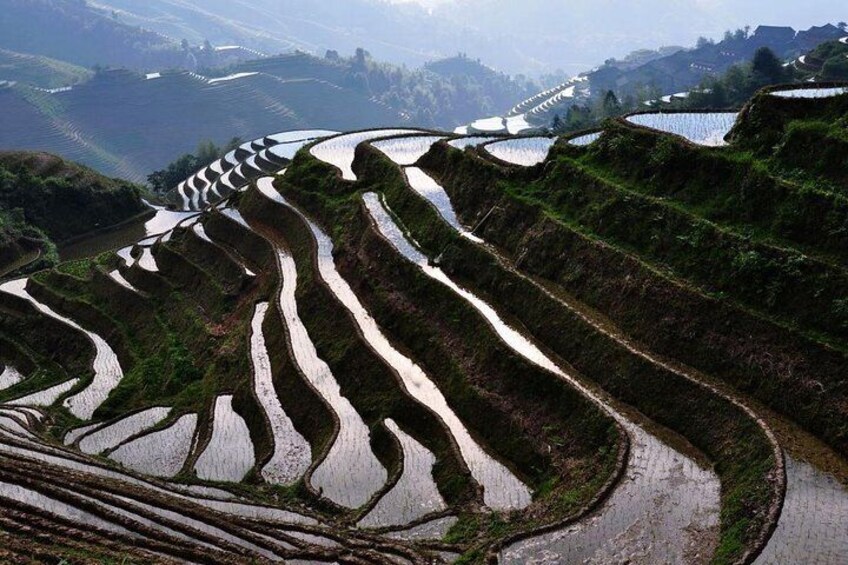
(70, 30)
(46, 201)
(39, 71)
(828, 61)
(663, 80)
(685, 69)
(125, 125)
(515, 37)
(84, 34)
(402, 344)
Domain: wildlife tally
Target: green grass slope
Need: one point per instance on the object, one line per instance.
(45, 201)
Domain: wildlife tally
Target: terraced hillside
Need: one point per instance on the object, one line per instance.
(674, 76)
(38, 71)
(405, 346)
(168, 113)
(46, 201)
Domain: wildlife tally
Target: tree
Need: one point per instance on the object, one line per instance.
(184, 45)
(359, 59)
(556, 124)
(835, 69)
(207, 152)
(611, 106)
(767, 68)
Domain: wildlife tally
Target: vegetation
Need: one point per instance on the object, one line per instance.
(444, 93)
(731, 90)
(184, 167)
(832, 60)
(672, 285)
(666, 397)
(40, 71)
(45, 201)
(740, 82)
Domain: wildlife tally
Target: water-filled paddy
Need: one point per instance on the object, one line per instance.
(704, 128)
(524, 151)
(292, 453)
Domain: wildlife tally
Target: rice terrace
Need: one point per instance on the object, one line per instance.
(582, 330)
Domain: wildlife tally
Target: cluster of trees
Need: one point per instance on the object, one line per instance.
(833, 58)
(730, 90)
(172, 175)
(458, 93)
(740, 82)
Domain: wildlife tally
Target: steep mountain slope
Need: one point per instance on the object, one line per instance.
(45, 201)
(399, 344)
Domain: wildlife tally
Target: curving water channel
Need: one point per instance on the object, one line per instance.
(59, 508)
(146, 261)
(119, 278)
(430, 190)
(110, 436)
(47, 455)
(810, 92)
(584, 140)
(667, 505)
(813, 525)
(405, 151)
(463, 142)
(292, 454)
(702, 128)
(502, 489)
(107, 369)
(339, 151)
(350, 474)
(10, 377)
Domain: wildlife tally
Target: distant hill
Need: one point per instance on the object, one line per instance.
(126, 125)
(39, 71)
(46, 200)
(502, 89)
(442, 94)
(530, 37)
(82, 34)
(72, 31)
(685, 69)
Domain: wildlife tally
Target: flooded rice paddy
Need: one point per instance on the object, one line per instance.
(350, 474)
(702, 128)
(162, 453)
(522, 151)
(502, 490)
(229, 456)
(107, 369)
(112, 435)
(292, 453)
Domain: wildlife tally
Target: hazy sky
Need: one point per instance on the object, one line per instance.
(788, 12)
